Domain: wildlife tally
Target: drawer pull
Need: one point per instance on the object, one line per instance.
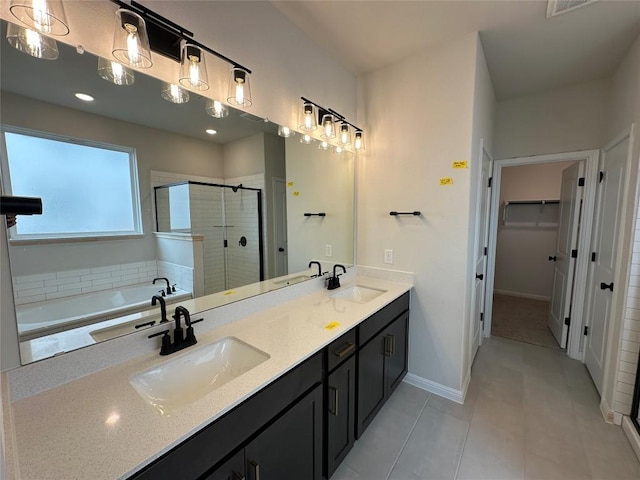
(346, 350)
(256, 469)
(334, 411)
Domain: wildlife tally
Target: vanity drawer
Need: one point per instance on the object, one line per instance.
(382, 318)
(341, 349)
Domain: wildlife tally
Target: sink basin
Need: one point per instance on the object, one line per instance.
(190, 376)
(357, 294)
(292, 280)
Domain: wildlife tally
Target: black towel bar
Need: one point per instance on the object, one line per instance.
(416, 213)
(321, 214)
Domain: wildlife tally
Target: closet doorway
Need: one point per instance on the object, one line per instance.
(538, 257)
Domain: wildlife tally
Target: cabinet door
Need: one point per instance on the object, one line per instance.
(233, 469)
(396, 352)
(341, 403)
(290, 448)
(371, 382)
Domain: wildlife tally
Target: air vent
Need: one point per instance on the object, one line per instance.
(251, 118)
(557, 7)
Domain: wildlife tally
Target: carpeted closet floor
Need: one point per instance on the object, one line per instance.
(522, 319)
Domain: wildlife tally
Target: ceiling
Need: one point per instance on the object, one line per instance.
(525, 51)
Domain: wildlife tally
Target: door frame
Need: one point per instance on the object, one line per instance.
(274, 247)
(591, 158)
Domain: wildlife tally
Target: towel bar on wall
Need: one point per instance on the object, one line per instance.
(321, 214)
(416, 213)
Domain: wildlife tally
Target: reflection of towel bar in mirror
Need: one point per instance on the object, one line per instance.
(416, 213)
(321, 214)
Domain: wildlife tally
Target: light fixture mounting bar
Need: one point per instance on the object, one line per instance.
(165, 36)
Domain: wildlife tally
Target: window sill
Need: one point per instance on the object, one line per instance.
(50, 240)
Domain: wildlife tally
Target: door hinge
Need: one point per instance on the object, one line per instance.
(567, 321)
(593, 256)
(490, 182)
(226, 244)
(601, 177)
(581, 182)
(485, 251)
(574, 253)
(586, 330)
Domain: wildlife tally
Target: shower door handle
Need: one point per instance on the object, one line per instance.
(281, 249)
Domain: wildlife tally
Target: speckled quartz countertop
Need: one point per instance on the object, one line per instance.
(98, 427)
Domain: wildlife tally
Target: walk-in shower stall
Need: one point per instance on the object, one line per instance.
(226, 219)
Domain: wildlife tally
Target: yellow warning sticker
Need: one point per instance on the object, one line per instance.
(289, 184)
(461, 164)
(331, 326)
(446, 181)
(229, 292)
(296, 194)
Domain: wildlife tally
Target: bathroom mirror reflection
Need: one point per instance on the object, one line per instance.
(221, 216)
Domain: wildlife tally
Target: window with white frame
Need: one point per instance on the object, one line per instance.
(88, 189)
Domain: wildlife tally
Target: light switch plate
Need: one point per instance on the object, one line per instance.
(388, 256)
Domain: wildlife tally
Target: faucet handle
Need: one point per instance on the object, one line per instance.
(161, 292)
(166, 348)
(173, 288)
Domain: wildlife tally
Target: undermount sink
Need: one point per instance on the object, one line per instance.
(192, 375)
(357, 294)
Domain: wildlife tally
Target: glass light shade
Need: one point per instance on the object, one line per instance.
(345, 134)
(328, 126)
(130, 40)
(285, 132)
(193, 70)
(306, 138)
(174, 94)
(338, 149)
(44, 16)
(239, 88)
(115, 72)
(216, 109)
(308, 115)
(324, 145)
(31, 42)
(358, 140)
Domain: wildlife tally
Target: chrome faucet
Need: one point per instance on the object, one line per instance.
(313, 262)
(168, 290)
(179, 339)
(334, 281)
(163, 307)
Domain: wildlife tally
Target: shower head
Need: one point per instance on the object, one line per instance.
(235, 189)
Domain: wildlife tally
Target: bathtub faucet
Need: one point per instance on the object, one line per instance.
(163, 307)
(168, 290)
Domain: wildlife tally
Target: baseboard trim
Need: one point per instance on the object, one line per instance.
(437, 388)
(609, 415)
(522, 295)
(632, 435)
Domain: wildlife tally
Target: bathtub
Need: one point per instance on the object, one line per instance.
(53, 316)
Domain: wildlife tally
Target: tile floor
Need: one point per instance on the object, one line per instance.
(531, 413)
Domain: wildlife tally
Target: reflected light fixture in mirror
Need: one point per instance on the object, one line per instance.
(130, 40)
(345, 133)
(358, 140)
(45, 16)
(174, 94)
(115, 72)
(31, 42)
(323, 145)
(285, 132)
(239, 88)
(338, 149)
(193, 69)
(216, 109)
(328, 126)
(308, 121)
(306, 138)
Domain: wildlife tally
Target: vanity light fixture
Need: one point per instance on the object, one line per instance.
(285, 132)
(211, 131)
(216, 109)
(323, 145)
(306, 138)
(31, 42)
(308, 121)
(83, 96)
(130, 40)
(115, 72)
(193, 70)
(239, 88)
(358, 140)
(44, 16)
(174, 94)
(328, 120)
(345, 133)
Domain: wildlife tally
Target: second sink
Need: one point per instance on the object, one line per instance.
(192, 375)
(358, 293)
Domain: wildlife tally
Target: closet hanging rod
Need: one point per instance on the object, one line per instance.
(321, 214)
(532, 202)
(416, 213)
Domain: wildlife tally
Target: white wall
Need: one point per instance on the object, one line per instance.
(624, 341)
(244, 156)
(414, 134)
(562, 120)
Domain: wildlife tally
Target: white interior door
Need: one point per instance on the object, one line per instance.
(480, 249)
(280, 227)
(564, 264)
(604, 246)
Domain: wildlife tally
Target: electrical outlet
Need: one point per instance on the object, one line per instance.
(388, 256)
(328, 250)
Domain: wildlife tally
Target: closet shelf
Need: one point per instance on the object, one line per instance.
(524, 214)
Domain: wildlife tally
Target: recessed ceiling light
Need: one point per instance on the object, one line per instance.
(84, 97)
(211, 131)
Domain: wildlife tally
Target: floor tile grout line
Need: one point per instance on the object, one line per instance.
(406, 440)
(464, 444)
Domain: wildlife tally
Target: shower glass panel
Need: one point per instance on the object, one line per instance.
(228, 221)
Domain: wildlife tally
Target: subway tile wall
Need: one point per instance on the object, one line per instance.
(181, 276)
(66, 283)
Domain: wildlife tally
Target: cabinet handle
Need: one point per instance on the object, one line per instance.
(334, 411)
(256, 469)
(347, 349)
(393, 345)
(238, 476)
(389, 346)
